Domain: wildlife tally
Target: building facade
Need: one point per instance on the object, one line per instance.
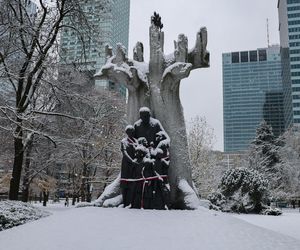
(289, 29)
(109, 24)
(252, 92)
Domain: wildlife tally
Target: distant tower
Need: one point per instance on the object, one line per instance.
(110, 21)
(289, 29)
(252, 92)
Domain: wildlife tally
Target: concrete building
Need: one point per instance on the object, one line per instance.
(252, 92)
(289, 28)
(110, 25)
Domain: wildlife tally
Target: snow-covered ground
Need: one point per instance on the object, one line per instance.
(94, 228)
(288, 223)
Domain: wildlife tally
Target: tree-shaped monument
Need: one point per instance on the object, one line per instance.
(156, 85)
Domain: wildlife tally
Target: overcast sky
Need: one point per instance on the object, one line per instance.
(233, 25)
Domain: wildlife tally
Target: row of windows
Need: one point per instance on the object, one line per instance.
(293, 37)
(293, 8)
(295, 44)
(295, 51)
(296, 89)
(294, 29)
(293, 1)
(295, 66)
(295, 81)
(295, 74)
(294, 22)
(295, 59)
(296, 97)
(296, 104)
(293, 15)
(245, 56)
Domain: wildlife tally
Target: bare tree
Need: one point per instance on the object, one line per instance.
(206, 169)
(27, 46)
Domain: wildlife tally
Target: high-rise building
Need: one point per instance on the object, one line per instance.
(110, 25)
(252, 92)
(289, 29)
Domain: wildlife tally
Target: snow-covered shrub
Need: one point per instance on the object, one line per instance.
(217, 198)
(271, 211)
(241, 190)
(14, 213)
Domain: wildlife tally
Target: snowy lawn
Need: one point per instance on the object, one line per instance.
(94, 228)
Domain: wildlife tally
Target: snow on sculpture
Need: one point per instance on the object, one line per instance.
(156, 85)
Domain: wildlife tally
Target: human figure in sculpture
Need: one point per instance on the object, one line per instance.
(138, 174)
(128, 145)
(147, 126)
(160, 153)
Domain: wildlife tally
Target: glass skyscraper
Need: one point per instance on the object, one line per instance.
(289, 28)
(110, 25)
(252, 92)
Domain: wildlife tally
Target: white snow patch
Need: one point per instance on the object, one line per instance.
(144, 109)
(110, 191)
(169, 69)
(113, 202)
(142, 70)
(190, 197)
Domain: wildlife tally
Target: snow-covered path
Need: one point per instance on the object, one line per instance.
(104, 229)
(288, 223)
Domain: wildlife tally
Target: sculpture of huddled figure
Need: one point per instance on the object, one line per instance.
(145, 164)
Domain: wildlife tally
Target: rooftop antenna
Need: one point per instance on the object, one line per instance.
(268, 33)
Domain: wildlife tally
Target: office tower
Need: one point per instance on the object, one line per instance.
(110, 25)
(289, 28)
(252, 92)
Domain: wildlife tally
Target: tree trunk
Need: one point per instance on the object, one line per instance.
(45, 198)
(26, 178)
(83, 183)
(18, 162)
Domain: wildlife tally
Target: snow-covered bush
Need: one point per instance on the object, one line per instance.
(217, 198)
(271, 211)
(241, 190)
(14, 213)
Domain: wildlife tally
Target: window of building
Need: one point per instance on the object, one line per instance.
(235, 57)
(253, 56)
(262, 55)
(244, 56)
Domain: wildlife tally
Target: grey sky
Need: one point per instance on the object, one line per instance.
(233, 25)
